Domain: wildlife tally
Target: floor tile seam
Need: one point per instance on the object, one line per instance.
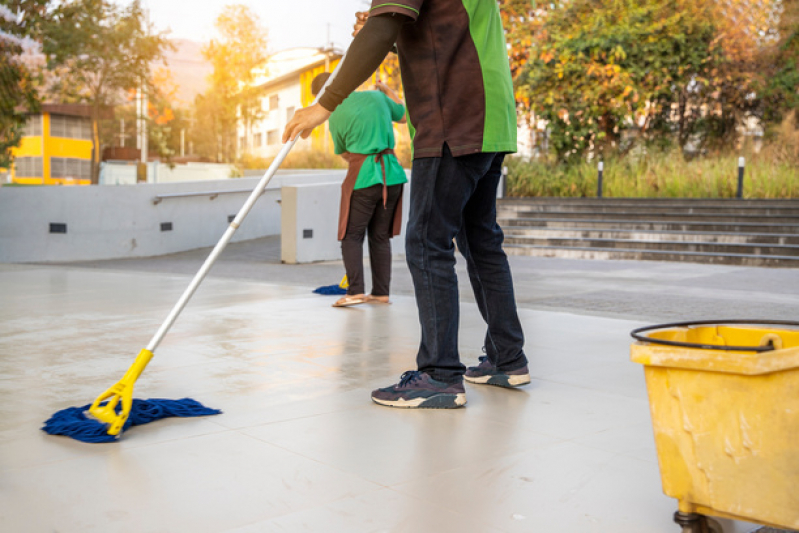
(326, 505)
(314, 460)
(489, 527)
(626, 455)
(282, 421)
(106, 446)
(599, 391)
(558, 439)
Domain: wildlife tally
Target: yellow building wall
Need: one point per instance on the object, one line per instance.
(47, 147)
(320, 135)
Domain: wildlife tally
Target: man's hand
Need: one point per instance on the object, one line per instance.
(304, 121)
(360, 20)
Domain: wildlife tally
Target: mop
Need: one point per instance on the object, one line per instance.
(115, 410)
(339, 289)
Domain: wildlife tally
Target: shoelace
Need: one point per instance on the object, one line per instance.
(408, 377)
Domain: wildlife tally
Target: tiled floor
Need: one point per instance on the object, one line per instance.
(300, 447)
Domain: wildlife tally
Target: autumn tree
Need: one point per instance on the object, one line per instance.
(238, 52)
(101, 51)
(19, 22)
(598, 69)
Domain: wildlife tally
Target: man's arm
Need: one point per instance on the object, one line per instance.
(367, 51)
(391, 93)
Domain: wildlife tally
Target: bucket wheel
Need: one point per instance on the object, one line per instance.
(697, 523)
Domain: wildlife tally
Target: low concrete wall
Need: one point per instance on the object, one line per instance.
(124, 173)
(41, 224)
(309, 223)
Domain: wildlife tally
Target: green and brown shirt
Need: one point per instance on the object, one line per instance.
(456, 75)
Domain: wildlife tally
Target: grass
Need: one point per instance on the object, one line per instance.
(772, 172)
(660, 176)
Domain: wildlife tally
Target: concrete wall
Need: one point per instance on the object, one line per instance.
(104, 222)
(124, 173)
(309, 222)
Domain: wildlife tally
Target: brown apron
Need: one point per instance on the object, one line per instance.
(356, 162)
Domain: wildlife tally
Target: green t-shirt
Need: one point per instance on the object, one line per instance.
(362, 124)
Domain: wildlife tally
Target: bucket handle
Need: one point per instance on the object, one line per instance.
(768, 343)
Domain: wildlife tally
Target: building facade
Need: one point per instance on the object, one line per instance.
(284, 87)
(57, 147)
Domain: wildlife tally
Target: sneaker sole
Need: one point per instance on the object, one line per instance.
(500, 380)
(440, 401)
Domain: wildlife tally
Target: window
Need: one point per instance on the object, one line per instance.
(33, 126)
(70, 127)
(28, 167)
(273, 102)
(243, 142)
(68, 167)
(273, 137)
(290, 113)
(257, 140)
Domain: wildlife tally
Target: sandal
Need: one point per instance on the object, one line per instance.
(349, 300)
(378, 299)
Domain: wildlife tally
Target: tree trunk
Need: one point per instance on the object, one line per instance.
(95, 175)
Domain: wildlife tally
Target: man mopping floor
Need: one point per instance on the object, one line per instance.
(459, 95)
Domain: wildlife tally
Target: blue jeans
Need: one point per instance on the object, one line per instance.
(454, 198)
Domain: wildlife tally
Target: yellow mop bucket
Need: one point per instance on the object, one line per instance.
(724, 399)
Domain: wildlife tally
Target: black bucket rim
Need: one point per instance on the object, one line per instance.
(767, 348)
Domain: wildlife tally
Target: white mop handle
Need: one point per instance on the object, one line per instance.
(248, 205)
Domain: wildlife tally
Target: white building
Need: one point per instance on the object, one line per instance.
(285, 86)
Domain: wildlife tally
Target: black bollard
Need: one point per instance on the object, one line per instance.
(741, 163)
(599, 181)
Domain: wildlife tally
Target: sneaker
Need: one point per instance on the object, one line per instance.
(487, 374)
(418, 390)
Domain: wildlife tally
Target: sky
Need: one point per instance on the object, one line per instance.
(290, 23)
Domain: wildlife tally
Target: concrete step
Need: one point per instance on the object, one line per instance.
(688, 211)
(638, 235)
(654, 215)
(644, 225)
(756, 249)
(653, 255)
(523, 203)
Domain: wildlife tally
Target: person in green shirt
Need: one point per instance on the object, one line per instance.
(371, 195)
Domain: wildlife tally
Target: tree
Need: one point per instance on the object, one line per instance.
(18, 94)
(236, 55)
(102, 50)
(597, 69)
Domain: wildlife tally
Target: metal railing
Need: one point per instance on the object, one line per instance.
(211, 194)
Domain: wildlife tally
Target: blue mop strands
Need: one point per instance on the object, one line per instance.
(73, 422)
(330, 289)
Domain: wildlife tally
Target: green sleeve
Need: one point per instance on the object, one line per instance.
(397, 110)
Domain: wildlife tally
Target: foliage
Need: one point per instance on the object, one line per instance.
(780, 89)
(689, 72)
(600, 68)
(101, 50)
(235, 56)
(18, 95)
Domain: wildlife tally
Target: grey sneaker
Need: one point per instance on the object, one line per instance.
(418, 390)
(487, 374)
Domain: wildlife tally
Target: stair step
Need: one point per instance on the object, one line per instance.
(653, 255)
(644, 225)
(639, 235)
(676, 246)
(729, 212)
(522, 203)
(650, 215)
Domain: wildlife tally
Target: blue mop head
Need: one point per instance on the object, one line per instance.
(330, 289)
(72, 422)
